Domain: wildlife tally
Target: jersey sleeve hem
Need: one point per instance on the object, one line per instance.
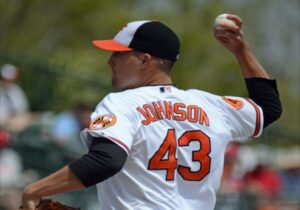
(87, 135)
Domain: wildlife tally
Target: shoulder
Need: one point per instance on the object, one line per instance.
(204, 95)
(122, 102)
(128, 97)
(223, 102)
(119, 98)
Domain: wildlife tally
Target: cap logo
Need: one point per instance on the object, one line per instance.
(103, 121)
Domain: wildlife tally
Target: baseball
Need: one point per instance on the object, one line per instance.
(221, 21)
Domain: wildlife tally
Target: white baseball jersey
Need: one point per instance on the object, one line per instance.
(175, 141)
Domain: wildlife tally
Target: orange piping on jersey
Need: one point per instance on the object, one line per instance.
(169, 110)
(203, 118)
(159, 109)
(258, 117)
(181, 113)
(192, 113)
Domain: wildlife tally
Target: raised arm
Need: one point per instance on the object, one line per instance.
(261, 89)
(232, 38)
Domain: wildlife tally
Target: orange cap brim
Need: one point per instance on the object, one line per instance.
(111, 45)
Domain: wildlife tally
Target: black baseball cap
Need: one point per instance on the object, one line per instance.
(146, 36)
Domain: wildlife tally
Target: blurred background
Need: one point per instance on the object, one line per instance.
(52, 78)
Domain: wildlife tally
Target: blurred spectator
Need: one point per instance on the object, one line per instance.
(289, 163)
(232, 179)
(260, 178)
(13, 106)
(231, 193)
(264, 180)
(291, 188)
(13, 101)
(67, 126)
(10, 174)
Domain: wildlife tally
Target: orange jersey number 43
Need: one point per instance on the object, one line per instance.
(169, 147)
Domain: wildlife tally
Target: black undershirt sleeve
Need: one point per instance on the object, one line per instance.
(104, 159)
(264, 93)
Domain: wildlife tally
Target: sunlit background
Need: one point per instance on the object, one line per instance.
(46, 53)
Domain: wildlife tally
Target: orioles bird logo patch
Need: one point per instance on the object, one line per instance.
(103, 121)
(237, 104)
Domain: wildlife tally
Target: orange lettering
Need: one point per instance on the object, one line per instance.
(181, 113)
(150, 112)
(192, 112)
(145, 115)
(169, 110)
(203, 118)
(159, 109)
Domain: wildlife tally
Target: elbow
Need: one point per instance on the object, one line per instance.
(115, 167)
(272, 116)
(98, 166)
(278, 113)
(104, 173)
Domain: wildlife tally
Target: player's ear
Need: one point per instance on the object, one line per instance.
(146, 58)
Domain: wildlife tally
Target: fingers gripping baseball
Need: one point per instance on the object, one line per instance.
(228, 31)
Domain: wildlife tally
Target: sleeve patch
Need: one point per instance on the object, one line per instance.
(103, 121)
(236, 104)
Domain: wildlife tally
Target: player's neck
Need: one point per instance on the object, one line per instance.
(159, 79)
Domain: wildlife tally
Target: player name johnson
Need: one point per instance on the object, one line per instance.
(178, 111)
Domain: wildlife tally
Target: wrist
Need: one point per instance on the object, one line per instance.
(249, 64)
(243, 51)
(29, 204)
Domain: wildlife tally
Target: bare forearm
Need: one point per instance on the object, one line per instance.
(249, 64)
(232, 38)
(61, 181)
